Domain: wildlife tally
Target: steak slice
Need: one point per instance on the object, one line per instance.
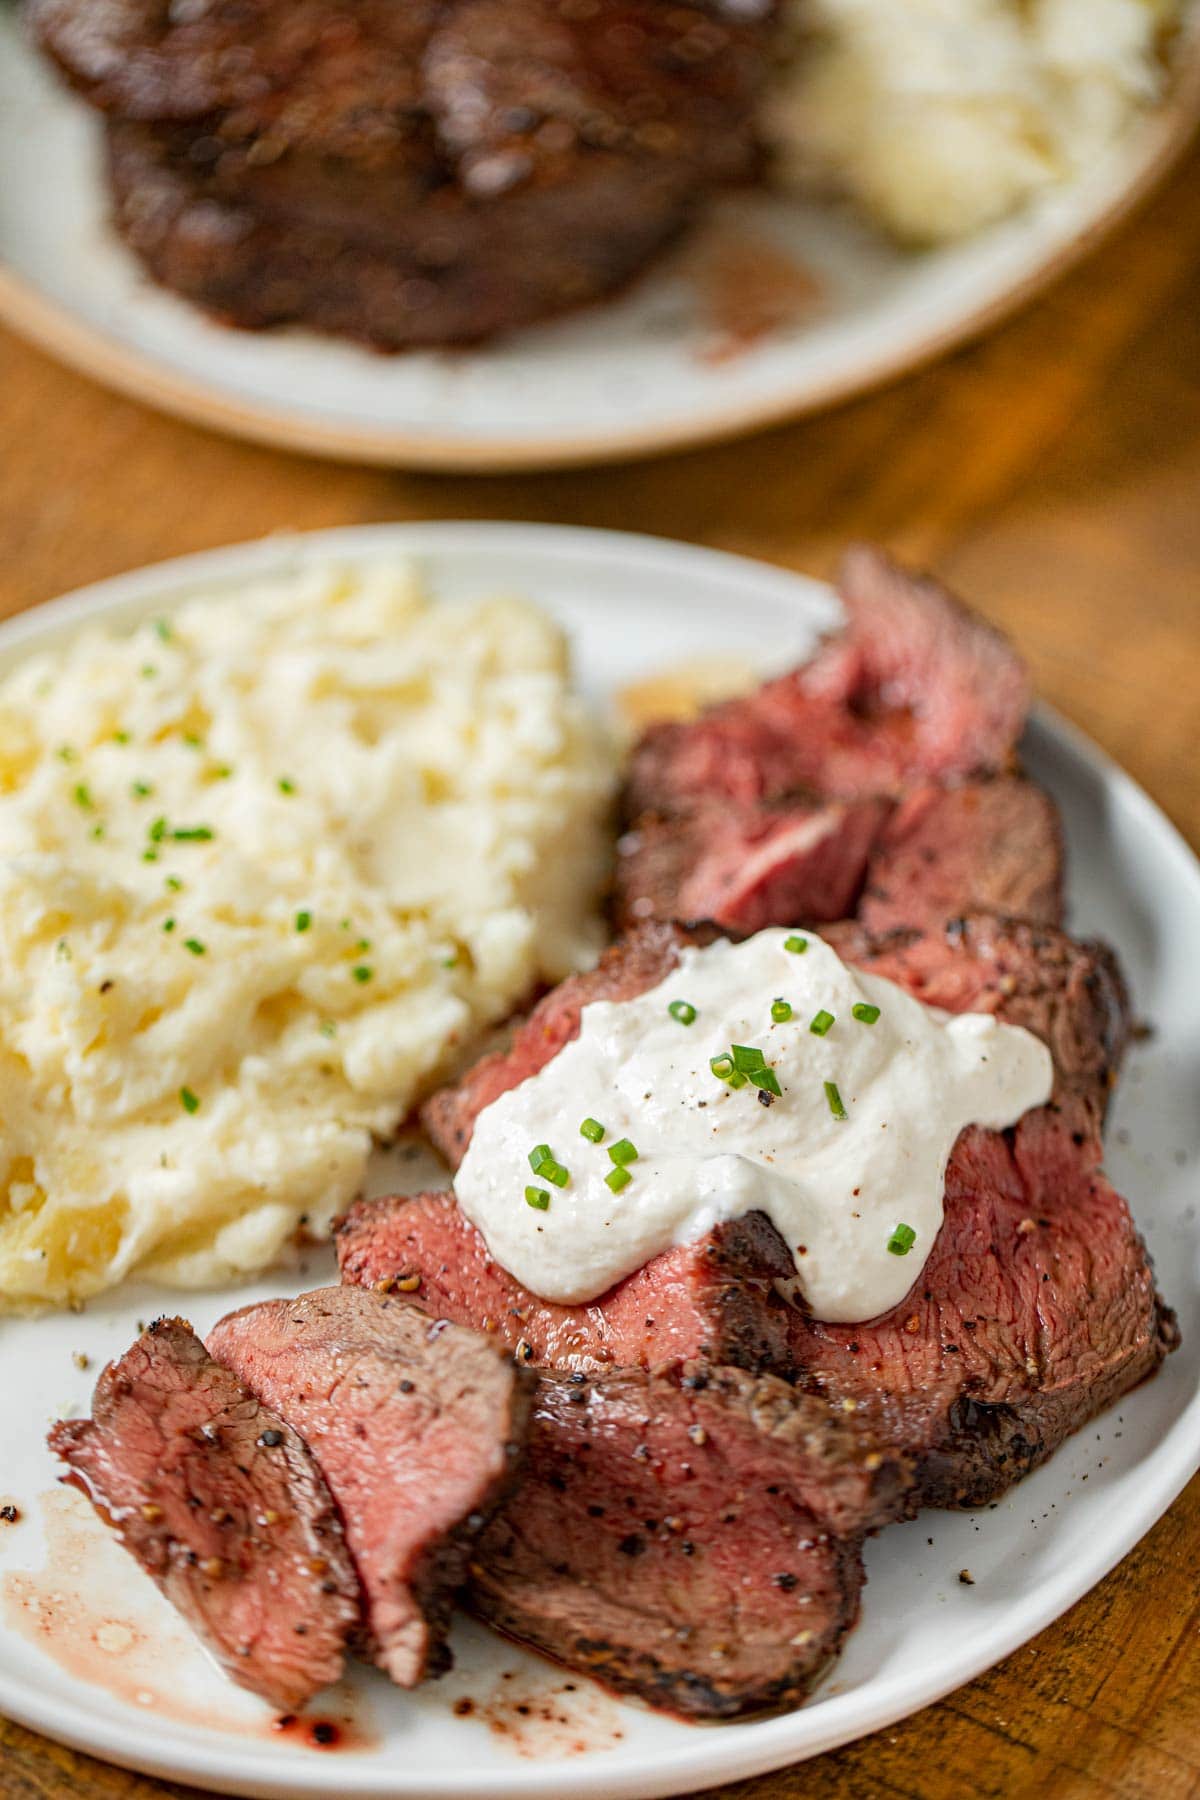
(1035, 1310)
(914, 688)
(746, 867)
(692, 1536)
(223, 1506)
(417, 1427)
(984, 846)
(715, 1299)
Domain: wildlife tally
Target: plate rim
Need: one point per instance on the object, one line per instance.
(52, 326)
(750, 1749)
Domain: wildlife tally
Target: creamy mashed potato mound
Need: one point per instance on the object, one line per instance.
(941, 116)
(267, 865)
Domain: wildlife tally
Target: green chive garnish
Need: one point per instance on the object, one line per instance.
(327, 1028)
(555, 1172)
(67, 755)
(747, 1057)
(141, 790)
(174, 883)
(616, 1179)
(821, 1023)
(835, 1101)
(902, 1240)
(767, 1080)
(286, 785)
(149, 855)
(163, 629)
(361, 972)
(539, 1198)
(148, 671)
(189, 1101)
(592, 1130)
(622, 1152)
(157, 832)
(797, 945)
(683, 1010)
(865, 1014)
(194, 945)
(97, 831)
(541, 1153)
(168, 924)
(193, 741)
(120, 737)
(83, 796)
(781, 1011)
(721, 1066)
(303, 921)
(192, 834)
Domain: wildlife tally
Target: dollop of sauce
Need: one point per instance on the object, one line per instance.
(848, 1161)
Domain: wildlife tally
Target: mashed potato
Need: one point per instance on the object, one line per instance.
(941, 116)
(266, 867)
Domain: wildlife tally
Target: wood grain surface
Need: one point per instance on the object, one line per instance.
(1052, 473)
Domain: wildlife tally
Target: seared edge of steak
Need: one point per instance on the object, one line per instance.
(220, 1502)
(692, 1535)
(417, 1426)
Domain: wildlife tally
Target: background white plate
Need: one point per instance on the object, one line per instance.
(626, 378)
(632, 606)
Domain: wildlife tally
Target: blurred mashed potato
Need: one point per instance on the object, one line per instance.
(941, 116)
(266, 867)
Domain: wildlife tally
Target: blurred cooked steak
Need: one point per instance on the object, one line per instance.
(747, 867)
(222, 1505)
(1034, 1236)
(913, 689)
(716, 1299)
(693, 1536)
(417, 1428)
(987, 845)
(418, 173)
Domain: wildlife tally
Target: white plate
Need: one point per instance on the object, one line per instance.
(633, 376)
(632, 606)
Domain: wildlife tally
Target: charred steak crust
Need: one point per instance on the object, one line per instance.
(223, 1506)
(418, 173)
(417, 1426)
(691, 1535)
(716, 1300)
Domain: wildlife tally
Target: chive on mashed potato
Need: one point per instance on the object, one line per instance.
(939, 117)
(267, 866)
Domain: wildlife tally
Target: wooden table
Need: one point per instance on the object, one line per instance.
(1053, 474)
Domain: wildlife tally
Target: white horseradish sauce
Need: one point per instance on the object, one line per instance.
(857, 1199)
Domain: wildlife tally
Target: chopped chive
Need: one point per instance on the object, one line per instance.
(451, 961)
(363, 944)
(221, 772)
(192, 834)
(737, 1079)
(120, 737)
(538, 1198)
(555, 1172)
(67, 754)
(592, 1130)
(194, 945)
(865, 1014)
(189, 1101)
(327, 1028)
(173, 882)
(683, 1010)
(157, 832)
(622, 1152)
(168, 924)
(141, 790)
(835, 1101)
(149, 855)
(747, 1057)
(821, 1023)
(618, 1178)
(721, 1066)
(163, 629)
(767, 1081)
(303, 921)
(781, 1011)
(83, 796)
(193, 740)
(797, 945)
(148, 671)
(361, 972)
(541, 1153)
(286, 785)
(902, 1240)
(97, 831)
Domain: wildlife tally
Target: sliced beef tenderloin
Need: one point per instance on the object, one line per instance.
(417, 1426)
(914, 688)
(985, 845)
(747, 867)
(692, 1536)
(1036, 1308)
(223, 1506)
(716, 1299)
